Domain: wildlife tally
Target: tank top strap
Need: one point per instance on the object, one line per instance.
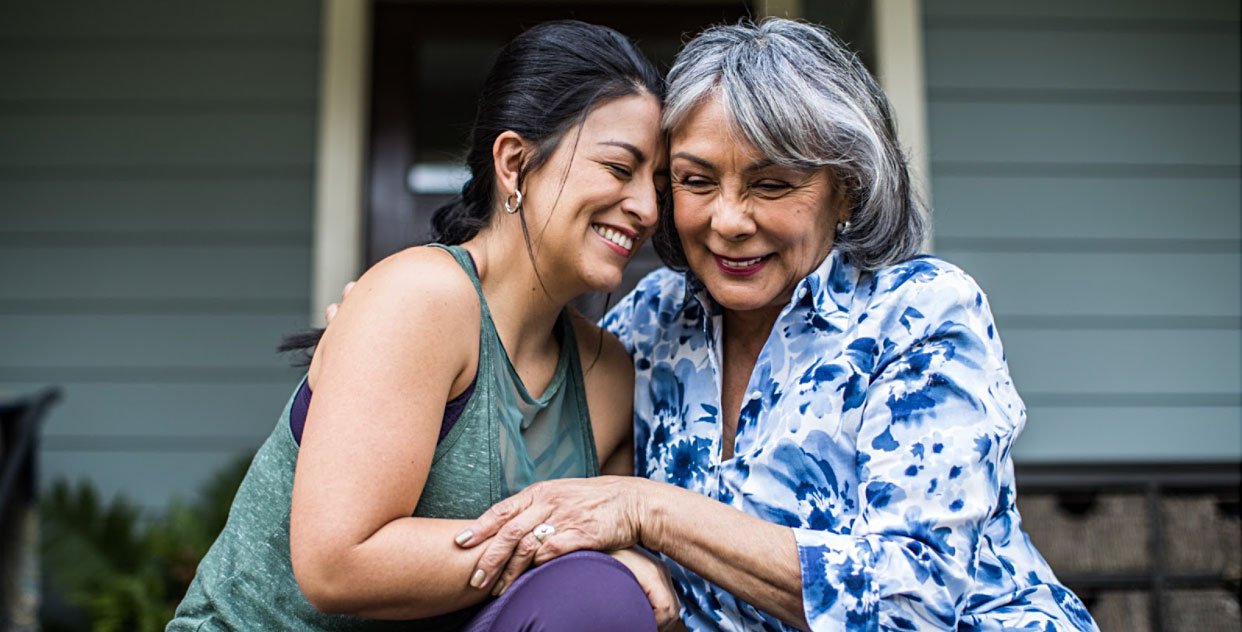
(463, 258)
(502, 389)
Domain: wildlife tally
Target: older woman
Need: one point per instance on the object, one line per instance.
(822, 417)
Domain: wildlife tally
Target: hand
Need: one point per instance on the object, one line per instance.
(330, 312)
(587, 513)
(653, 576)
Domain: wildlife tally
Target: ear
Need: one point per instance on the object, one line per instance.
(509, 155)
(840, 202)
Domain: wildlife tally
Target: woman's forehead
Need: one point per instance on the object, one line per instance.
(709, 128)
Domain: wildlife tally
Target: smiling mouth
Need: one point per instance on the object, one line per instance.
(741, 267)
(617, 237)
(738, 263)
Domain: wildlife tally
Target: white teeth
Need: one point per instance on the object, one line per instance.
(615, 237)
(740, 264)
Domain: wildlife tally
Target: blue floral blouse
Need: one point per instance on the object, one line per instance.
(877, 425)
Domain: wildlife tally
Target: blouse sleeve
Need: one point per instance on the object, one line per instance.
(937, 423)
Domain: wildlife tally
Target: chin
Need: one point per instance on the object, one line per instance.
(603, 278)
(607, 285)
(736, 299)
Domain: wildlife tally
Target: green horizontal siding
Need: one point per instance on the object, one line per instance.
(1058, 207)
(145, 269)
(1103, 62)
(1085, 133)
(104, 341)
(1170, 433)
(89, 79)
(185, 140)
(1099, 14)
(138, 409)
(62, 23)
(1100, 284)
(1085, 166)
(256, 204)
(1073, 360)
(156, 193)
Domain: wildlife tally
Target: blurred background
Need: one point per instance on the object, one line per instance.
(183, 182)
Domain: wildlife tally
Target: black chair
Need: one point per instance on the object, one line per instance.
(20, 420)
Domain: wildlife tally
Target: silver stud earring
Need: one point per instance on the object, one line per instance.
(843, 226)
(516, 207)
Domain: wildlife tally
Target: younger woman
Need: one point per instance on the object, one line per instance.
(454, 376)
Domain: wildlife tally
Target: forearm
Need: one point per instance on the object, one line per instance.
(755, 560)
(408, 569)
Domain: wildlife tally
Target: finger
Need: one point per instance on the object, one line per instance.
(330, 312)
(521, 560)
(670, 613)
(346, 290)
(559, 544)
(492, 520)
(501, 547)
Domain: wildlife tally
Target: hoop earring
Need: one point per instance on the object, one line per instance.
(516, 207)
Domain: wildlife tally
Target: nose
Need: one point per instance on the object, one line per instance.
(731, 218)
(642, 203)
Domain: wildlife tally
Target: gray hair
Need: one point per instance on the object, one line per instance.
(805, 101)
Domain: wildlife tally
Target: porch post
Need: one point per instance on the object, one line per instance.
(339, 165)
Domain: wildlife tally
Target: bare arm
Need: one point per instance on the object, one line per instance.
(371, 431)
(753, 559)
(749, 557)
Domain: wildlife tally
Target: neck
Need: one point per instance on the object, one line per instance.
(749, 329)
(524, 312)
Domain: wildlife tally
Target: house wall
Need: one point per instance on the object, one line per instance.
(156, 184)
(1085, 168)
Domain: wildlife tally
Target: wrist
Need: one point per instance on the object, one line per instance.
(651, 511)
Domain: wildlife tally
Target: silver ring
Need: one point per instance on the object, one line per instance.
(543, 530)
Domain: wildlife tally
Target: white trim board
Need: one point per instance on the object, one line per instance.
(339, 213)
(901, 72)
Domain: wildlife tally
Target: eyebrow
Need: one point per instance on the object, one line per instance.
(638, 153)
(695, 159)
(706, 164)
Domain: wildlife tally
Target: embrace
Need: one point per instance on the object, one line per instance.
(800, 423)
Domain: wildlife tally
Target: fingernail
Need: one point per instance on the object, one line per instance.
(499, 589)
(476, 581)
(464, 537)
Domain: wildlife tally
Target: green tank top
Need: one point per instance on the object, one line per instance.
(504, 440)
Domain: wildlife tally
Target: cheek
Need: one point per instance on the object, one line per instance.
(690, 214)
(807, 224)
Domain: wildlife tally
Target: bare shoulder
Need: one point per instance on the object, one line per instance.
(417, 287)
(413, 296)
(421, 272)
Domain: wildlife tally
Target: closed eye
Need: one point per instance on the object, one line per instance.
(694, 182)
(619, 170)
(772, 187)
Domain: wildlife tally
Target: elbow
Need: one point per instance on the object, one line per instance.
(325, 585)
(325, 599)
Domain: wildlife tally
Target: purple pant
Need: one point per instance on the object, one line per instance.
(585, 590)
